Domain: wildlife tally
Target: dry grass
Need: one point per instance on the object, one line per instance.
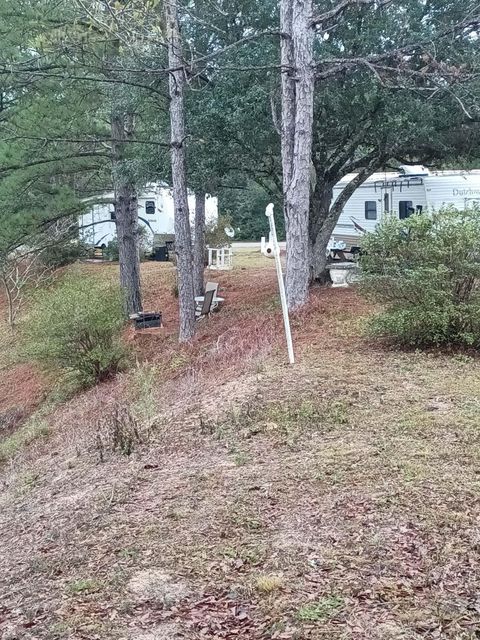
(269, 583)
(34, 428)
(22, 387)
(334, 500)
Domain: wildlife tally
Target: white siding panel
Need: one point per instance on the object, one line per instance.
(161, 222)
(355, 207)
(459, 189)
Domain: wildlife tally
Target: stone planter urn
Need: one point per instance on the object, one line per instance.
(343, 273)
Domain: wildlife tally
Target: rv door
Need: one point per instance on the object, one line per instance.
(405, 209)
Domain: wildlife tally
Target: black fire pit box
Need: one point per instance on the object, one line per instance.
(147, 320)
(161, 254)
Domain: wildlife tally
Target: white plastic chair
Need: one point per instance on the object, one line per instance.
(210, 286)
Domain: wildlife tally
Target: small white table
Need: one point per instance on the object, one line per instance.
(215, 302)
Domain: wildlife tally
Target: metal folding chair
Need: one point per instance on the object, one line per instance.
(207, 305)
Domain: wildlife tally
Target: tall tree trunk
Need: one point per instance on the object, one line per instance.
(297, 122)
(183, 244)
(126, 214)
(288, 94)
(199, 244)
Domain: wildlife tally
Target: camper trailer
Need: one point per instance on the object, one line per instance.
(155, 213)
(413, 189)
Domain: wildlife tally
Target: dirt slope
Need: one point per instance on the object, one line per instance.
(337, 499)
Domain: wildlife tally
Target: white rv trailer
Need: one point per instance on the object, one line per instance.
(412, 189)
(155, 211)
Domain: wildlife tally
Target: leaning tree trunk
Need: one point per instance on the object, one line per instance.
(297, 123)
(322, 224)
(183, 246)
(324, 215)
(199, 244)
(126, 215)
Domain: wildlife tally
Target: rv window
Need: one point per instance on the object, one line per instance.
(150, 207)
(405, 208)
(370, 210)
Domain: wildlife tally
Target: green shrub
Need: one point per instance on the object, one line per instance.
(76, 327)
(111, 251)
(215, 235)
(63, 253)
(425, 271)
(145, 240)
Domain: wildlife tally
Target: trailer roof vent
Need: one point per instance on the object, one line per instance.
(408, 170)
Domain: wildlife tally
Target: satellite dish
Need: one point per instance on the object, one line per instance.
(230, 232)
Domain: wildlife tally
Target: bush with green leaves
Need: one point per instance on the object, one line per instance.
(75, 327)
(425, 271)
(64, 253)
(111, 250)
(215, 235)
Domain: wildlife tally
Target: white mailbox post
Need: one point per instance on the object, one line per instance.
(272, 250)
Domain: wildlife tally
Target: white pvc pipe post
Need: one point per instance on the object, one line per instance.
(281, 284)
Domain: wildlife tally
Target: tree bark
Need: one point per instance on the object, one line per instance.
(322, 224)
(126, 216)
(183, 244)
(199, 244)
(324, 215)
(288, 93)
(297, 123)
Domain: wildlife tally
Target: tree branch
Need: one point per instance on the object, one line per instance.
(33, 163)
(85, 141)
(337, 11)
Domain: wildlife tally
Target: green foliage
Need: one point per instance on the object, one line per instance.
(55, 125)
(111, 251)
(426, 272)
(215, 235)
(145, 242)
(247, 206)
(64, 253)
(322, 610)
(84, 585)
(76, 327)
(144, 245)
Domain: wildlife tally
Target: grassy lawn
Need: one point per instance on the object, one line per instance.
(338, 499)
